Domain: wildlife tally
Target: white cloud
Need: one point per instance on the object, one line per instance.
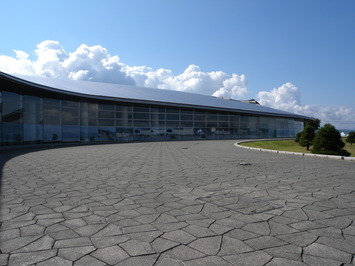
(191, 80)
(96, 64)
(287, 98)
(20, 64)
(234, 86)
(85, 63)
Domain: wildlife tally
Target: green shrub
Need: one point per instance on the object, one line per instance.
(328, 141)
(351, 137)
(298, 136)
(307, 136)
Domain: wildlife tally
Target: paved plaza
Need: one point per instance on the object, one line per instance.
(174, 203)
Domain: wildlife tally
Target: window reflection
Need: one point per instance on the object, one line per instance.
(51, 120)
(11, 107)
(32, 119)
(70, 121)
(11, 118)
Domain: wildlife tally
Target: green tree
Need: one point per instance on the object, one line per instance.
(351, 137)
(306, 137)
(315, 123)
(328, 141)
(298, 136)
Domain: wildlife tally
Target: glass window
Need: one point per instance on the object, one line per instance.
(157, 116)
(88, 114)
(212, 116)
(212, 124)
(212, 133)
(143, 133)
(93, 109)
(70, 104)
(84, 114)
(106, 115)
(173, 133)
(124, 115)
(234, 121)
(124, 123)
(92, 133)
(199, 116)
(223, 117)
(92, 122)
(254, 126)
(265, 127)
(106, 122)
(223, 124)
(32, 117)
(106, 107)
(124, 108)
(140, 109)
(199, 124)
(12, 131)
(172, 123)
(141, 123)
(0, 117)
(235, 132)
(187, 123)
(244, 126)
(32, 109)
(141, 115)
(200, 132)
(11, 107)
(187, 133)
(187, 111)
(172, 116)
(187, 117)
(124, 134)
(157, 110)
(107, 133)
(158, 133)
(70, 116)
(51, 111)
(172, 111)
(71, 133)
(52, 131)
(223, 132)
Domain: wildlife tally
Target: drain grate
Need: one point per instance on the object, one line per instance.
(230, 200)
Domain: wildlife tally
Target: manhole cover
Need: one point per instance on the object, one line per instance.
(232, 201)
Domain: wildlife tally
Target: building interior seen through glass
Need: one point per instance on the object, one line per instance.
(29, 119)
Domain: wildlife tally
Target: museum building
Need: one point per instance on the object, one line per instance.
(48, 110)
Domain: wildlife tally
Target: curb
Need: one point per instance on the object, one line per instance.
(292, 153)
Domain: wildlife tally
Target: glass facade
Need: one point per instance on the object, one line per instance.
(29, 119)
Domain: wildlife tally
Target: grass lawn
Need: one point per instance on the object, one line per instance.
(290, 145)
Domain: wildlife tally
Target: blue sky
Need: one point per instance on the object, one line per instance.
(299, 53)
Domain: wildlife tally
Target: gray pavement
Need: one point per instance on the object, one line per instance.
(174, 203)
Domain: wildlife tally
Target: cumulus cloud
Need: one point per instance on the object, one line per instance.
(19, 65)
(96, 64)
(191, 80)
(287, 97)
(85, 63)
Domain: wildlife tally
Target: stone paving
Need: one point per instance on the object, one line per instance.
(174, 203)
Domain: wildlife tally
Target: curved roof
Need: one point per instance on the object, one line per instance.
(133, 94)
